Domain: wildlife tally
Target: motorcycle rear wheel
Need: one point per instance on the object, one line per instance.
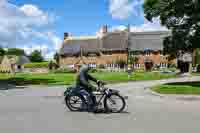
(75, 102)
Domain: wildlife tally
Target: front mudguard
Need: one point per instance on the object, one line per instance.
(116, 92)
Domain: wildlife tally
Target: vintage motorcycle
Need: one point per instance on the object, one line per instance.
(107, 99)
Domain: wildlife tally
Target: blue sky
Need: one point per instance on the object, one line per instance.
(80, 16)
(40, 24)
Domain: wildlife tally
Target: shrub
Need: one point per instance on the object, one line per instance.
(172, 66)
(93, 70)
(64, 70)
(121, 63)
(157, 67)
(101, 66)
(173, 69)
(52, 65)
(198, 68)
(37, 65)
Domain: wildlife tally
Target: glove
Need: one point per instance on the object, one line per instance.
(100, 82)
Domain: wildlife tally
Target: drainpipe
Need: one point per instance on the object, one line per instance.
(128, 45)
(128, 54)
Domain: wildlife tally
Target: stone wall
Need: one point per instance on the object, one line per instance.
(102, 59)
(156, 57)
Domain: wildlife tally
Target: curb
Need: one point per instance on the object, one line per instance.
(174, 96)
(153, 92)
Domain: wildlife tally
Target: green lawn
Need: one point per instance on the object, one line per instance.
(187, 88)
(67, 78)
(196, 74)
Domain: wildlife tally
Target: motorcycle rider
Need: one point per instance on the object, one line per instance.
(83, 79)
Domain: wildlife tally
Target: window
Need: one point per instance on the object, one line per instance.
(137, 66)
(147, 53)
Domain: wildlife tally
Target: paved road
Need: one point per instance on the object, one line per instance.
(41, 110)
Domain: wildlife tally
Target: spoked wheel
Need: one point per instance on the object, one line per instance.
(75, 102)
(114, 103)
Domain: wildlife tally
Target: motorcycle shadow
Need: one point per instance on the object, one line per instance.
(104, 112)
(100, 112)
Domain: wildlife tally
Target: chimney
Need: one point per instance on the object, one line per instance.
(66, 35)
(104, 29)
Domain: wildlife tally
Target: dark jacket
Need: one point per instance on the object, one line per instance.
(83, 78)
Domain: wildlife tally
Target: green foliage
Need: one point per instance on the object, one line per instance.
(101, 66)
(56, 58)
(181, 17)
(37, 65)
(15, 51)
(92, 70)
(2, 52)
(52, 65)
(64, 70)
(121, 63)
(198, 68)
(36, 56)
(133, 59)
(172, 66)
(173, 69)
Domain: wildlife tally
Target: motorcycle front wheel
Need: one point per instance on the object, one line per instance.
(114, 103)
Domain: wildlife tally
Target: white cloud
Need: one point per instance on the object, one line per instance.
(32, 11)
(146, 26)
(118, 28)
(50, 55)
(55, 40)
(122, 9)
(21, 26)
(34, 14)
(149, 26)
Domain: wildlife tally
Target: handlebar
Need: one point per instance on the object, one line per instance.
(101, 85)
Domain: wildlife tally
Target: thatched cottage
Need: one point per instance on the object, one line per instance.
(108, 47)
(12, 63)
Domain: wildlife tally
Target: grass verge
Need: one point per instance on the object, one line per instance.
(186, 88)
(70, 78)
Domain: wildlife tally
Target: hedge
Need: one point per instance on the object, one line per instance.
(37, 65)
(65, 70)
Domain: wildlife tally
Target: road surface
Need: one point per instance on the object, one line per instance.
(38, 109)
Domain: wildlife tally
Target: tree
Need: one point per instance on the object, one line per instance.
(182, 17)
(56, 58)
(15, 51)
(2, 52)
(36, 56)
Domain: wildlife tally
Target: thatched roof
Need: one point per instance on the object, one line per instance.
(21, 60)
(76, 45)
(18, 60)
(115, 41)
(147, 40)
